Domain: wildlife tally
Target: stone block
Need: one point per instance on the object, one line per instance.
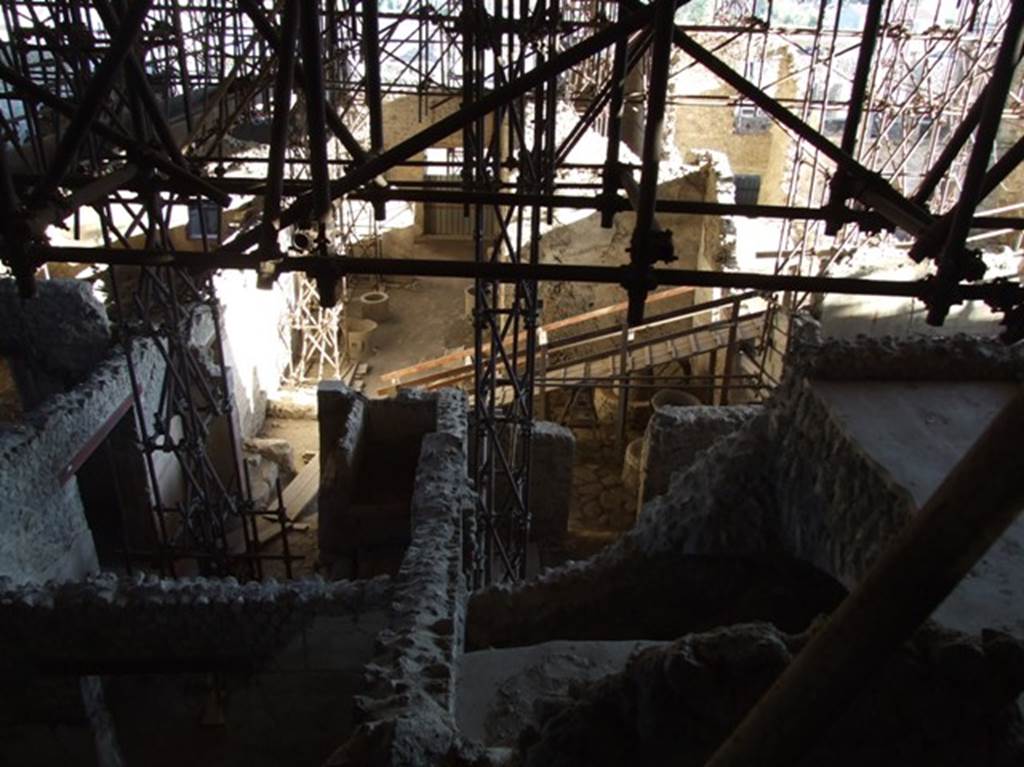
(277, 451)
(676, 435)
(263, 477)
(552, 450)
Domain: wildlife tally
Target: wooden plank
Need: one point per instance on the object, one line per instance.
(433, 380)
(654, 350)
(345, 374)
(297, 497)
(594, 314)
(302, 490)
(400, 375)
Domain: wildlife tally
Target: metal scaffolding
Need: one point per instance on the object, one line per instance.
(121, 118)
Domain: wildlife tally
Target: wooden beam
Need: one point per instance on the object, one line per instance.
(397, 376)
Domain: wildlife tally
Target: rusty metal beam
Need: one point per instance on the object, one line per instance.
(92, 101)
(466, 115)
(649, 244)
(316, 105)
(263, 25)
(336, 266)
(954, 263)
(866, 185)
(136, 151)
(279, 137)
(839, 187)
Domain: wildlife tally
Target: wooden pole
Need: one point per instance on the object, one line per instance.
(624, 373)
(730, 353)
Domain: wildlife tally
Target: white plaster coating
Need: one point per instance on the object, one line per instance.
(917, 432)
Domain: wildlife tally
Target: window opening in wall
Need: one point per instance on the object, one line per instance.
(443, 162)
(748, 189)
(447, 219)
(203, 221)
(750, 119)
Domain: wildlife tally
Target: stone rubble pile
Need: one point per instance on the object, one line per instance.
(944, 700)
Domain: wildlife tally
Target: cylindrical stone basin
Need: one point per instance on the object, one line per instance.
(375, 305)
(302, 240)
(357, 338)
(674, 398)
(606, 403)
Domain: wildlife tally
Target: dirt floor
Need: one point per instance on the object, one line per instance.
(603, 505)
(426, 315)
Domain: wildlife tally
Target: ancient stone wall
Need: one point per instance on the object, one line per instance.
(790, 486)
(43, 530)
(53, 340)
(369, 462)
(718, 233)
(342, 421)
(409, 708)
(114, 670)
(106, 623)
(577, 239)
(804, 487)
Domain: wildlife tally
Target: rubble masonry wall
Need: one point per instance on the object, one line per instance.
(408, 712)
(43, 530)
